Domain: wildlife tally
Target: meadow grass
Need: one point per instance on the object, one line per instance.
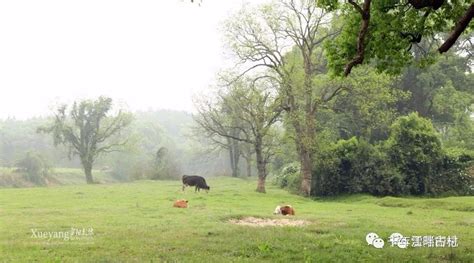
(136, 222)
(9, 177)
(76, 176)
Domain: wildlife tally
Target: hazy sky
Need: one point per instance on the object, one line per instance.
(148, 54)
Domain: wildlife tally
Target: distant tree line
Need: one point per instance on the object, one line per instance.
(159, 146)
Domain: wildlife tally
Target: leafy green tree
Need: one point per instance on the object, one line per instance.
(443, 92)
(354, 166)
(89, 128)
(289, 177)
(411, 161)
(423, 83)
(386, 32)
(451, 114)
(368, 108)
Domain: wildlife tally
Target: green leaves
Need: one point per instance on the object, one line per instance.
(415, 148)
(89, 129)
(395, 30)
(411, 161)
(366, 107)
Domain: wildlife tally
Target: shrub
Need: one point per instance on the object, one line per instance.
(326, 179)
(294, 182)
(34, 167)
(387, 181)
(453, 176)
(288, 176)
(353, 166)
(414, 148)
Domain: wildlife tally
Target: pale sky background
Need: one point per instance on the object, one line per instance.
(147, 54)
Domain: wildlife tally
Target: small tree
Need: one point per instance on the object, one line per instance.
(89, 129)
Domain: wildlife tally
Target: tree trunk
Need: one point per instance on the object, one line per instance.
(306, 130)
(261, 185)
(249, 167)
(235, 145)
(261, 165)
(233, 157)
(88, 172)
(304, 141)
(306, 171)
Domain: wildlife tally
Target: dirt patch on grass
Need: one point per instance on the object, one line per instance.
(260, 222)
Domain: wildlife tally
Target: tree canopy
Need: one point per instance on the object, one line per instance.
(387, 32)
(89, 128)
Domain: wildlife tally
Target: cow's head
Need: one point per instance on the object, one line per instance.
(277, 210)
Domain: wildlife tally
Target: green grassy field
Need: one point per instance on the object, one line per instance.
(136, 222)
(68, 176)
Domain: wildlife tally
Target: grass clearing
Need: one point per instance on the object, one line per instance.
(136, 222)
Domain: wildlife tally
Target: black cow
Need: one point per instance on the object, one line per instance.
(195, 180)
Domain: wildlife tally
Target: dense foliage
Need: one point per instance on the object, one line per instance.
(411, 161)
(388, 33)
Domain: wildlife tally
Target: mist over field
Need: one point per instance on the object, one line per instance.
(151, 131)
